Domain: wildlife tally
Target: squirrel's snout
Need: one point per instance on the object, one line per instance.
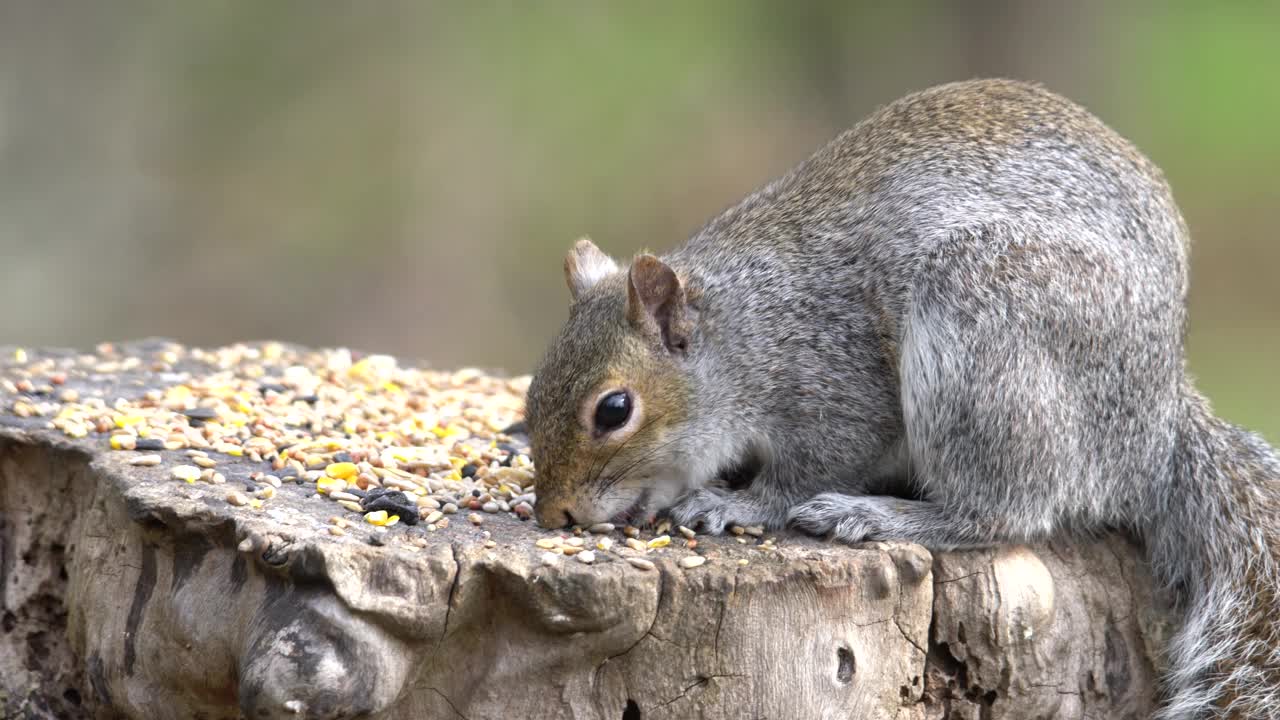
(552, 516)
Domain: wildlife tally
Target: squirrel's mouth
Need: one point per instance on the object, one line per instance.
(635, 512)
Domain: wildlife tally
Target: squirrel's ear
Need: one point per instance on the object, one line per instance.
(656, 301)
(585, 266)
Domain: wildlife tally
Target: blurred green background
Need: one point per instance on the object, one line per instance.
(406, 176)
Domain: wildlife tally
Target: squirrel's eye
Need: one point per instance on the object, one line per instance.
(613, 411)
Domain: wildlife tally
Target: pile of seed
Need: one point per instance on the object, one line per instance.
(387, 445)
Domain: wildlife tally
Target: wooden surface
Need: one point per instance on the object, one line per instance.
(128, 594)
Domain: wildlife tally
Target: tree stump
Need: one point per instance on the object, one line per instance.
(128, 593)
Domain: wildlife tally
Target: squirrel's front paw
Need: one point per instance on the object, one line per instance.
(848, 518)
(706, 510)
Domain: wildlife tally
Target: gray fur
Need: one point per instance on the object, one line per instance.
(979, 290)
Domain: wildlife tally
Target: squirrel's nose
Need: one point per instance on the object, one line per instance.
(552, 517)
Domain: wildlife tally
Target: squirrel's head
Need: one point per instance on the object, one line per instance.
(608, 404)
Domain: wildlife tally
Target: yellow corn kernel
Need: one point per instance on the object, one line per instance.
(659, 542)
(380, 518)
(328, 484)
(342, 470)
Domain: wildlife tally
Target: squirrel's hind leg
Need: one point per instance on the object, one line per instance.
(1004, 395)
(1002, 399)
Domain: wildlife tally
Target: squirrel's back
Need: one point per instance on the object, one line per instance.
(953, 156)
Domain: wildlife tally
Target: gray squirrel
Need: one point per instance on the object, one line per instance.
(960, 323)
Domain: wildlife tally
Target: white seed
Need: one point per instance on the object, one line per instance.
(687, 532)
(641, 563)
(692, 561)
(146, 460)
(190, 473)
(588, 557)
(601, 528)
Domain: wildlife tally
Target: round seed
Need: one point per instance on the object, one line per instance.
(189, 473)
(691, 561)
(588, 557)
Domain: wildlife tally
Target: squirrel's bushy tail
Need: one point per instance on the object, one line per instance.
(1217, 543)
